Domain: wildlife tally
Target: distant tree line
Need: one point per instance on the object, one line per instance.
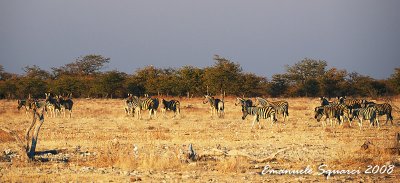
(84, 78)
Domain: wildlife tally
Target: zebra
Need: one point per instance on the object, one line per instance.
(352, 103)
(382, 109)
(128, 105)
(52, 105)
(343, 111)
(257, 112)
(325, 101)
(243, 102)
(173, 105)
(25, 104)
(367, 113)
(216, 105)
(329, 111)
(66, 103)
(135, 104)
(147, 104)
(281, 107)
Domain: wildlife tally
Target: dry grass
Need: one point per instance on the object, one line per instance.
(98, 144)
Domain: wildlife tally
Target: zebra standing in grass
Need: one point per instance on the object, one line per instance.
(173, 105)
(281, 107)
(381, 109)
(257, 112)
(66, 103)
(243, 102)
(216, 105)
(330, 112)
(147, 104)
(128, 105)
(27, 104)
(367, 113)
(52, 106)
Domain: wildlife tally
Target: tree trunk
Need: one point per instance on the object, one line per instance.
(31, 150)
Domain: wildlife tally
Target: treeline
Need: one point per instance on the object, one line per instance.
(84, 78)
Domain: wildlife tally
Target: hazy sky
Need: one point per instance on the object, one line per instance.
(262, 36)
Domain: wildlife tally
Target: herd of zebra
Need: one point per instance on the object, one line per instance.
(342, 110)
(53, 105)
(339, 111)
(349, 109)
(133, 105)
(263, 108)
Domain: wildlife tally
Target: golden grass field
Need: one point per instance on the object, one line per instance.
(97, 144)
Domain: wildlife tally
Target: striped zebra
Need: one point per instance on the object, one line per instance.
(330, 112)
(325, 101)
(351, 103)
(281, 107)
(216, 105)
(65, 104)
(52, 106)
(147, 103)
(367, 113)
(128, 105)
(344, 112)
(243, 102)
(259, 112)
(382, 109)
(172, 105)
(26, 104)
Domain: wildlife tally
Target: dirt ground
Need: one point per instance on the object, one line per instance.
(102, 144)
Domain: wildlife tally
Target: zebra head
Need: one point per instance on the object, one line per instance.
(208, 99)
(239, 101)
(324, 101)
(318, 113)
(246, 111)
(243, 102)
(21, 103)
(261, 102)
(341, 99)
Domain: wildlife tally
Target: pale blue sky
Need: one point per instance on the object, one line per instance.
(262, 36)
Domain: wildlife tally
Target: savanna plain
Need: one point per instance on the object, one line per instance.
(100, 143)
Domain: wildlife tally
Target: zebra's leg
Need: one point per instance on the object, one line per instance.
(325, 123)
(70, 113)
(254, 121)
(377, 122)
(163, 113)
(150, 113)
(138, 113)
(391, 118)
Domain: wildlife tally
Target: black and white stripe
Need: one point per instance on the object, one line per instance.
(367, 113)
(329, 111)
(172, 105)
(259, 112)
(216, 105)
(66, 104)
(382, 109)
(52, 105)
(244, 102)
(150, 104)
(281, 107)
(352, 103)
